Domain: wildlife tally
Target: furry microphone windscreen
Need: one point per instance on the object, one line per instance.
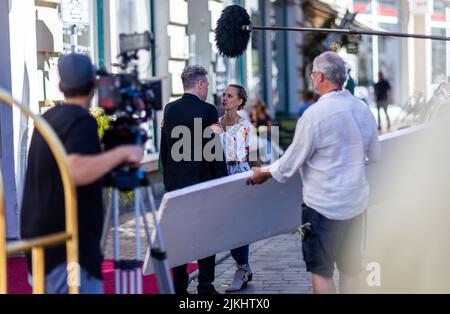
(231, 40)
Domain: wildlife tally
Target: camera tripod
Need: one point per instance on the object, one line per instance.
(128, 273)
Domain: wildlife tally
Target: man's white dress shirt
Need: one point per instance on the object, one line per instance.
(332, 141)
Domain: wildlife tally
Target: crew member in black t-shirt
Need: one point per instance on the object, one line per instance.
(43, 210)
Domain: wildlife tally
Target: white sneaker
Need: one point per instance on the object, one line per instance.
(240, 281)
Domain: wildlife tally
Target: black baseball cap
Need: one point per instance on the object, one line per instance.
(76, 71)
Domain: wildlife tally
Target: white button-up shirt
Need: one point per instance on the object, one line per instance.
(333, 140)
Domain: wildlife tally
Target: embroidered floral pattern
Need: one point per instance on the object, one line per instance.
(236, 145)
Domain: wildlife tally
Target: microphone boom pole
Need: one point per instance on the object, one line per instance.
(234, 29)
(343, 31)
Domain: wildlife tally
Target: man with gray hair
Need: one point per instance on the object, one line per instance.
(193, 167)
(333, 141)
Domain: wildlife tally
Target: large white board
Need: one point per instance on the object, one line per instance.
(223, 214)
(219, 215)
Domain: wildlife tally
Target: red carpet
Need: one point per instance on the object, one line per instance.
(18, 283)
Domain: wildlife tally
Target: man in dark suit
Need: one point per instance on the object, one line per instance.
(183, 159)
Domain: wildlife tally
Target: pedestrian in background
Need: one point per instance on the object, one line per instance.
(382, 97)
(350, 85)
(259, 116)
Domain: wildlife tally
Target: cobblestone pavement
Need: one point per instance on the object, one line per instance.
(277, 268)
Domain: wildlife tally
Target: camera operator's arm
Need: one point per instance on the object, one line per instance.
(87, 169)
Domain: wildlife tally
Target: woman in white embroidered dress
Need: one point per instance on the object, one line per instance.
(234, 132)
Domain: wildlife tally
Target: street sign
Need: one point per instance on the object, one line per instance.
(75, 12)
(420, 7)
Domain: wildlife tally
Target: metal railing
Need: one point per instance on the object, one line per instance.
(37, 245)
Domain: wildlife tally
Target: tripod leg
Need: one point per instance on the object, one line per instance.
(124, 282)
(132, 281)
(158, 253)
(115, 197)
(137, 271)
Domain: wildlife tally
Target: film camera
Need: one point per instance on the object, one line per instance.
(130, 102)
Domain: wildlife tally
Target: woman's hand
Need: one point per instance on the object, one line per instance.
(217, 128)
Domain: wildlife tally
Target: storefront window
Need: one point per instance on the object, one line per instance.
(219, 64)
(133, 16)
(439, 6)
(390, 57)
(215, 7)
(179, 12)
(439, 10)
(175, 69)
(254, 54)
(388, 7)
(365, 61)
(439, 57)
(179, 44)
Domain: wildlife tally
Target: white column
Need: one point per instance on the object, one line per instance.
(110, 35)
(6, 125)
(422, 55)
(266, 60)
(404, 68)
(447, 60)
(24, 81)
(198, 31)
(288, 59)
(162, 46)
(294, 59)
(375, 51)
(411, 55)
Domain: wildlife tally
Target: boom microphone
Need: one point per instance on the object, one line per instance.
(235, 26)
(231, 39)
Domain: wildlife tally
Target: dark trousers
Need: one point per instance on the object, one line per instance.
(206, 269)
(240, 255)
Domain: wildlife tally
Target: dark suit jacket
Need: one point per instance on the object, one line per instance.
(181, 113)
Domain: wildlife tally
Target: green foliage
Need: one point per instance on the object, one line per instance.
(126, 200)
(313, 41)
(102, 120)
(312, 46)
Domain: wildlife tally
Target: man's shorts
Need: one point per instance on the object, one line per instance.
(327, 242)
(56, 281)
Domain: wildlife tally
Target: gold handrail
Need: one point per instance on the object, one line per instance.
(3, 257)
(36, 246)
